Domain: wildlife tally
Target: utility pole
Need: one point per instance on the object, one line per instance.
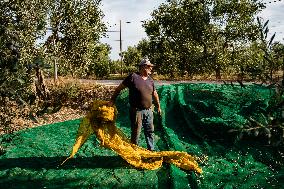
(55, 62)
(53, 42)
(120, 48)
(120, 44)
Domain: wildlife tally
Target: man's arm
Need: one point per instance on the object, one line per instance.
(116, 93)
(157, 101)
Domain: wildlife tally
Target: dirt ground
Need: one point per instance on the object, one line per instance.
(64, 114)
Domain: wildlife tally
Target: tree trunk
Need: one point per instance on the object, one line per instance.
(41, 89)
(218, 73)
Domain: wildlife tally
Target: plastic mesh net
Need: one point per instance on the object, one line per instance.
(196, 120)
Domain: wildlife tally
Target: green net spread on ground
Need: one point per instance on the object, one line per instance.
(196, 119)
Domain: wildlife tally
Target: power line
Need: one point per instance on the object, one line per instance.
(272, 1)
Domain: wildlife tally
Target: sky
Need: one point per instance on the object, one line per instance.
(135, 11)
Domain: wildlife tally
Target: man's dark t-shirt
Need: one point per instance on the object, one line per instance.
(140, 90)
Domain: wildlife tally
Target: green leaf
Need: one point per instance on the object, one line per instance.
(256, 132)
(21, 81)
(271, 39)
(46, 66)
(265, 24)
(267, 131)
(266, 31)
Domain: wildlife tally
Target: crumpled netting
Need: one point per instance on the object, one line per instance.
(101, 122)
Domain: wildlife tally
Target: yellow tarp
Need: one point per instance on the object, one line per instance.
(101, 122)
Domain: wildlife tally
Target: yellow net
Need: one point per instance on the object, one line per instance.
(101, 122)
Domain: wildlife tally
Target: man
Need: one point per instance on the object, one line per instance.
(141, 94)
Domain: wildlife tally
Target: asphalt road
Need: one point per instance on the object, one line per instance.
(157, 82)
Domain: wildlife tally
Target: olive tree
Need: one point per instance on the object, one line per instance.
(199, 36)
(76, 27)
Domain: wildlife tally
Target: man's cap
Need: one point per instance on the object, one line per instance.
(145, 61)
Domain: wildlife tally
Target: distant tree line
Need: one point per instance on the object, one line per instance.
(209, 37)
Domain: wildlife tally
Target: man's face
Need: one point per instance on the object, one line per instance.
(148, 69)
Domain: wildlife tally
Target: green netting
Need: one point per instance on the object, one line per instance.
(196, 119)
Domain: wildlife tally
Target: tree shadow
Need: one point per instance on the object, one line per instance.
(36, 163)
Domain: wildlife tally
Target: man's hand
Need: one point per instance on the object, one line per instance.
(157, 102)
(110, 103)
(159, 111)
